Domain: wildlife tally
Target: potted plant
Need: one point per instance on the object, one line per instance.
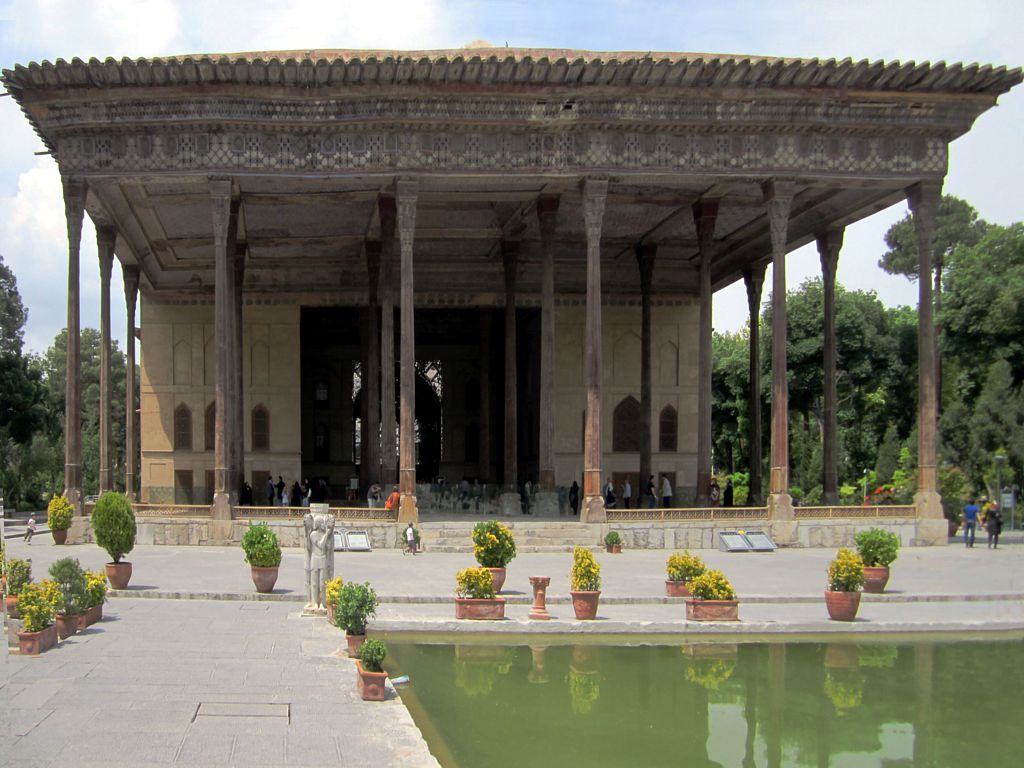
(712, 598)
(613, 542)
(475, 595)
(682, 569)
(332, 590)
(356, 605)
(370, 675)
(845, 578)
(38, 631)
(58, 516)
(263, 554)
(877, 548)
(494, 548)
(113, 524)
(585, 583)
(67, 574)
(19, 574)
(95, 596)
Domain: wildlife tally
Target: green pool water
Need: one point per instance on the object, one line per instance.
(746, 704)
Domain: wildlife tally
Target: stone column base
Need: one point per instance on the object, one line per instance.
(593, 510)
(80, 531)
(510, 504)
(545, 503)
(780, 507)
(222, 532)
(407, 510)
(932, 533)
(784, 532)
(929, 505)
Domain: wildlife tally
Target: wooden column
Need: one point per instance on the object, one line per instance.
(705, 213)
(130, 277)
(485, 395)
(645, 254)
(924, 203)
(829, 243)
(778, 197)
(595, 192)
(220, 195)
(547, 215)
(407, 192)
(510, 471)
(754, 279)
(105, 238)
(389, 467)
(370, 459)
(74, 211)
(237, 382)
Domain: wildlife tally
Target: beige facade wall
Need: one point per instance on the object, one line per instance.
(178, 368)
(674, 383)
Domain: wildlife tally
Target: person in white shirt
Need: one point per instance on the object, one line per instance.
(627, 494)
(666, 492)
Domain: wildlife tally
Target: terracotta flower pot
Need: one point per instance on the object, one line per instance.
(264, 578)
(842, 606)
(355, 642)
(613, 549)
(94, 615)
(875, 578)
(119, 574)
(487, 608)
(498, 577)
(330, 613)
(67, 625)
(34, 643)
(59, 537)
(677, 588)
(585, 604)
(12, 606)
(712, 610)
(371, 684)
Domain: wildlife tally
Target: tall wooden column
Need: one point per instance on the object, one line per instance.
(105, 238)
(595, 192)
(407, 192)
(237, 383)
(705, 213)
(74, 211)
(389, 468)
(924, 203)
(547, 215)
(829, 243)
(220, 195)
(130, 276)
(370, 459)
(754, 280)
(510, 471)
(645, 253)
(485, 396)
(778, 197)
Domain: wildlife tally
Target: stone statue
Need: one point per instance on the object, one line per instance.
(319, 545)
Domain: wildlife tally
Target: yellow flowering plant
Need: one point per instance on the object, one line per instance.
(712, 585)
(586, 571)
(34, 605)
(493, 545)
(846, 572)
(475, 583)
(684, 566)
(333, 590)
(95, 588)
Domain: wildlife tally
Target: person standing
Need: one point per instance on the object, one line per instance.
(970, 522)
(651, 493)
(666, 492)
(30, 530)
(410, 539)
(574, 498)
(994, 526)
(727, 493)
(609, 494)
(280, 489)
(627, 493)
(270, 491)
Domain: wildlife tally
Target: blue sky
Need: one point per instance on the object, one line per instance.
(985, 166)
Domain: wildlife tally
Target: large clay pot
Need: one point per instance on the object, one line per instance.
(264, 578)
(355, 642)
(585, 604)
(34, 643)
(67, 625)
(677, 588)
(59, 537)
(94, 615)
(498, 577)
(12, 606)
(875, 578)
(487, 608)
(119, 574)
(712, 610)
(842, 606)
(371, 684)
(613, 549)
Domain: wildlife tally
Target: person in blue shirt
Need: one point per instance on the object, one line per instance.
(970, 522)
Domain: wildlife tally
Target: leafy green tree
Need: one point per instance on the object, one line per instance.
(888, 458)
(13, 314)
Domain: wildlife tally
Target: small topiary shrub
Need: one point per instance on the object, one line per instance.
(684, 567)
(877, 547)
(260, 546)
(846, 572)
(67, 574)
(372, 654)
(58, 513)
(356, 605)
(35, 608)
(586, 571)
(19, 574)
(113, 524)
(612, 538)
(493, 545)
(95, 588)
(475, 583)
(712, 585)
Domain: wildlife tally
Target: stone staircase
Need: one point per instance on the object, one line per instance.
(530, 536)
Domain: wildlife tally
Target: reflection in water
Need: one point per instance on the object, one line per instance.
(751, 705)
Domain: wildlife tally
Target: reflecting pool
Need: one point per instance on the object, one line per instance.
(717, 704)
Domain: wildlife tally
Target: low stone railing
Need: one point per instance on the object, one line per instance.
(856, 512)
(171, 510)
(340, 513)
(688, 513)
